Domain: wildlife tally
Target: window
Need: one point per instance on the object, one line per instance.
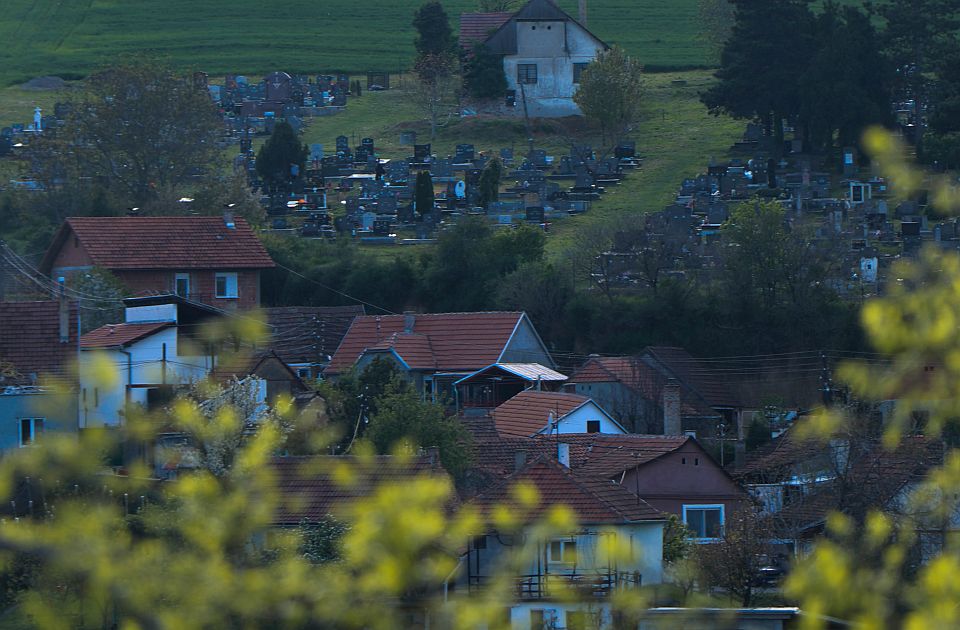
(479, 542)
(227, 285)
(30, 430)
(705, 521)
(527, 73)
(593, 426)
(562, 552)
(578, 68)
(181, 284)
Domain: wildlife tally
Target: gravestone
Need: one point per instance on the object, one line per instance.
(362, 154)
(398, 170)
(464, 153)
(353, 205)
(626, 149)
(534, 214)
(538, 158)
(316, 152)
(408, 138)
(387, 204)
(584, 180)
(381, 226)
(367, 143)
(565, 167)
(442, 168)
(278, 85)
(367, 219)
(421, 153)
(506, 156)
(405, 214)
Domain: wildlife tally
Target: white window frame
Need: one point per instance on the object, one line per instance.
(562, 560)
(705, 506)
(231, 288)
(34, 434)
(176, 282)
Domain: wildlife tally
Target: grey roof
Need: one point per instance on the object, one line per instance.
(504, 39)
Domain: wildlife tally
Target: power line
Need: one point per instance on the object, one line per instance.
(340, 293)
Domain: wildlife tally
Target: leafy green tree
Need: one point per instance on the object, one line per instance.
(423, 193)
(322, 541)
(497, 6)
(282, 151)
(676, 540)
(610, 92)
(434, 36)
(490, 182)
(138, 126)
(402, 415)
(483, 75)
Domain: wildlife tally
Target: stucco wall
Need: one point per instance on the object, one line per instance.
(576, 421)
(102, 398)
(59, 413)
(554, 47)
(525, 347)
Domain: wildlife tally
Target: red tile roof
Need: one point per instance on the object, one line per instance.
(593, 500)
(640, 376)
(309, 489)
(477, 27)
(694, 374)
(30, 339)
(451, 342)
(307, 334)
(114, 335)
(163, 243)
(528, 412)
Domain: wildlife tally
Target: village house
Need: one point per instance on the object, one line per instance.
(436, 350)
(305, 337)
(157, 349)
(544, 50)
(532, 412)
(566, 580)
(673, 474)
(38, 340)
(212, 260)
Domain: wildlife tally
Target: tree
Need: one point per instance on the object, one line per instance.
(434, 36)
(733, 562)
(104, 294)
(483, 75)
(435, 90)
(847, 84)
(423, 193)
(610, 93)
(279, 155)
(490, 182)
(403, 416)
(676, 540)
(918, 34)
(139, 128)
(779, 32)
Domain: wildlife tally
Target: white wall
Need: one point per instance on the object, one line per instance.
(105, 406)
(576, 421)
(554, 47)
(154, 313)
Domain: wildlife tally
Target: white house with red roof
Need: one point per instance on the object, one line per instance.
(532, 413)
(544, 50)
(566, 579)
(212, 260)
(435, 350)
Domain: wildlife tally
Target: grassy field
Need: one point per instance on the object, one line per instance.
(69, 38)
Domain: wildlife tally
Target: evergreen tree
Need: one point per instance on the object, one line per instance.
(483, 75)
(434, 36)
(423, 193)
(279, 153)
(768, 48)
(490, 182)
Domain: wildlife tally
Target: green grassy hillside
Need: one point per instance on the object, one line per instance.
(71, 37)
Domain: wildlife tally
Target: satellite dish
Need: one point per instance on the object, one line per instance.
(460, 189)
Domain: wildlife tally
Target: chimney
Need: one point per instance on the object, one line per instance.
(563, 454)
(671, 408)
(582, 6)
(519, 460)
(409, 321)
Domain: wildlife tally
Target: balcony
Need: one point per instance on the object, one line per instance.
(596, 584)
